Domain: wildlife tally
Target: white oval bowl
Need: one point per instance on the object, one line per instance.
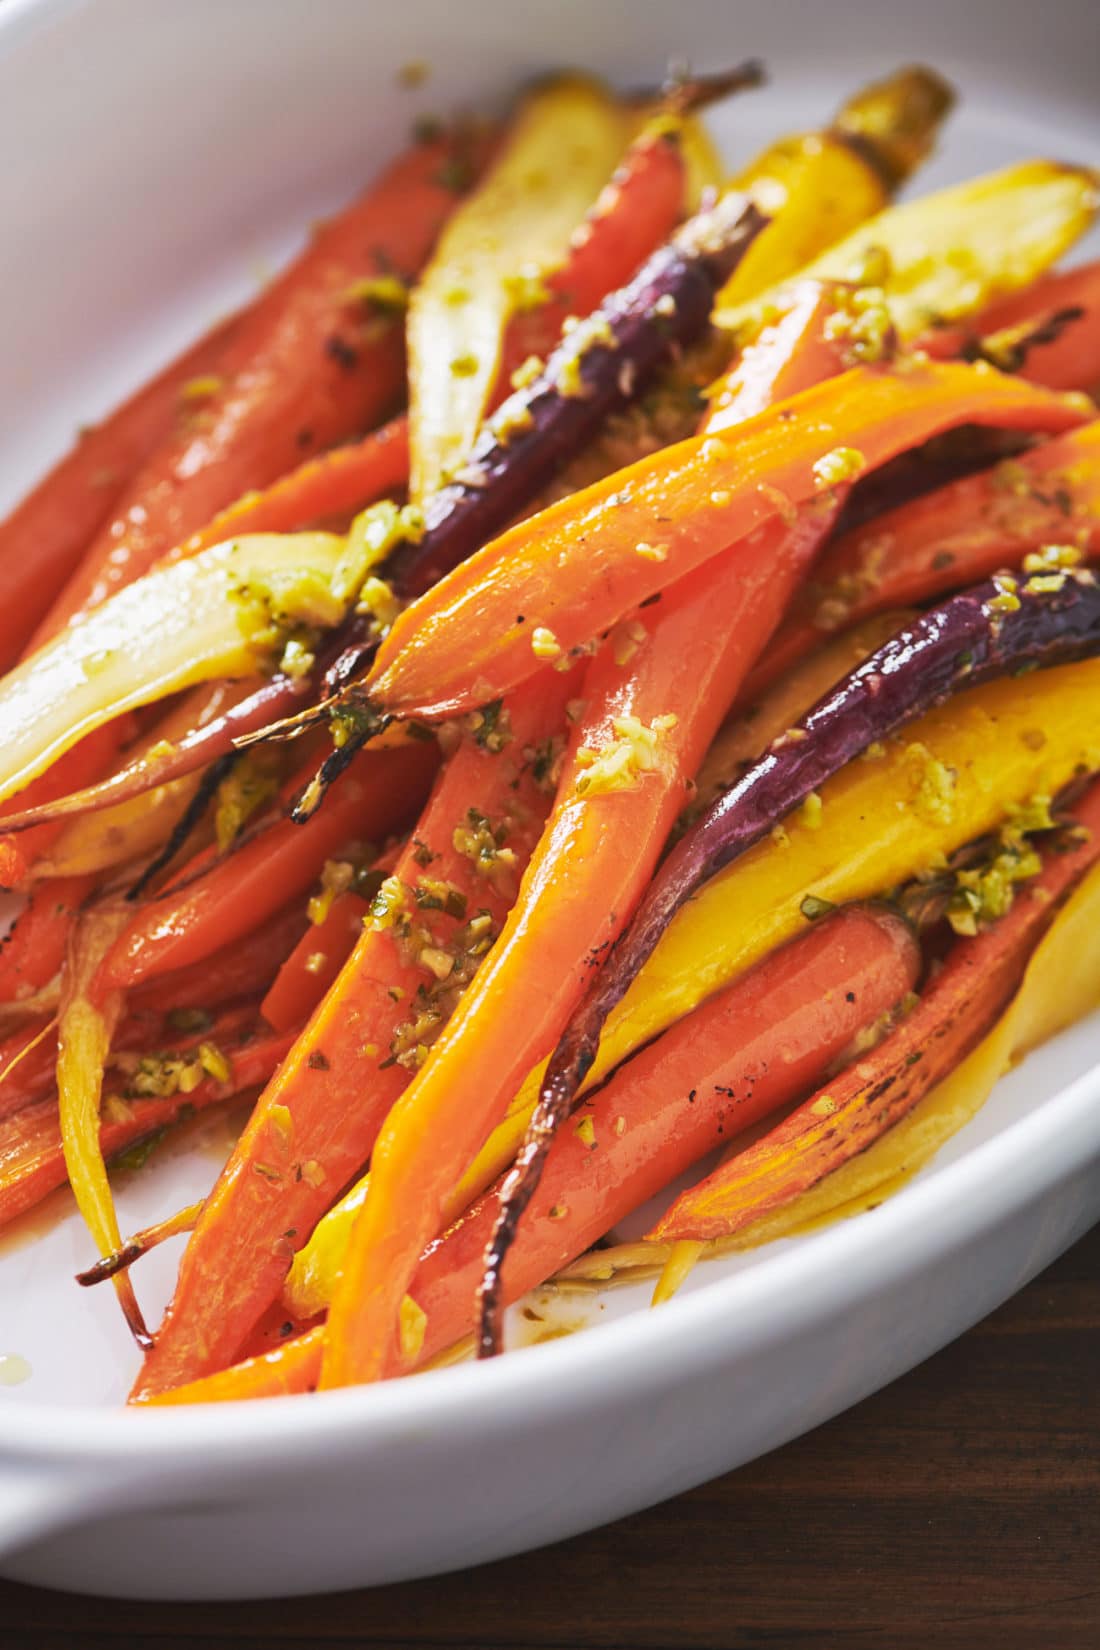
(155, 156)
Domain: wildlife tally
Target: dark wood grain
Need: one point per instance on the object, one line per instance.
(959, 1509)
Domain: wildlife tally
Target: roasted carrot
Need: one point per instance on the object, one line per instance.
(1065, 305)
(32, 1160)
(78, 767)
(242, 969)
(791, 354)
(33, 950)
(290, 1368)
(740, 1056)
(839, 1121)
(43, 538)
(575, 569)
(222, 899)
(315, 1126)
(651, 703)
(636, 212)
(957, 534)
(309, 365)
(315, 963)
(328, 940)
(335, 484)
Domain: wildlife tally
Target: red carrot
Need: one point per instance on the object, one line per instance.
(315, 1126)
(309, 365)
(220, 900)
(958, 1007)
(738, 1057)
(952, 537)
(44, 537)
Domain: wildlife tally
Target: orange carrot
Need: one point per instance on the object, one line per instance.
(670, 690)
(309, 365)
(44, 537)
(737, 1058)
(957, 1008)
(314, 1128)
(324, 947)
(239, 970)
(34, 948)
(947, 539)
(575, 569)
(76, 768)
(336, 484)
(219, 900)
(791, 354)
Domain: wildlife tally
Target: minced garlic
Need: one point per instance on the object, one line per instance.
(544, 644)
(834, 468)
(412, 1324)
(637, 749)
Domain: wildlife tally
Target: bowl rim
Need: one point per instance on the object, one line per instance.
(789, 1290)
(640, 1353)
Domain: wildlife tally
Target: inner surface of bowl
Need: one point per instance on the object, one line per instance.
(179, 157)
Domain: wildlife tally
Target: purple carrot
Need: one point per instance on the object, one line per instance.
(597, 369)
(993, 629)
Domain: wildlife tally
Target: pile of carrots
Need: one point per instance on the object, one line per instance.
(600, 656)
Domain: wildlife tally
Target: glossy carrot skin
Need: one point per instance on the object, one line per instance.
(34, 948)
(681, 668)
(336, 484)
(1071, 361)
(946, 539)
(575, 569)
(243, 969)
(307, 368)
(638, 210)
(32, 1158)
(221, 900)
(313, 966)
(957, 1008)
(791, 354)
(738, 1057)
(331, 1096)
(76, 768)
(44, 537)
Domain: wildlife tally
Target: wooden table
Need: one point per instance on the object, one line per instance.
(959, 1509)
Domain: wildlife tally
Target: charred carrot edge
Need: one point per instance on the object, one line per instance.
(1049, 332)
(452, 886)
(708, 1077)
(44, 537)
(842, 1119)
(951, 537)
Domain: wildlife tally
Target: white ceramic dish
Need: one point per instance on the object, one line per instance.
(155, 154)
